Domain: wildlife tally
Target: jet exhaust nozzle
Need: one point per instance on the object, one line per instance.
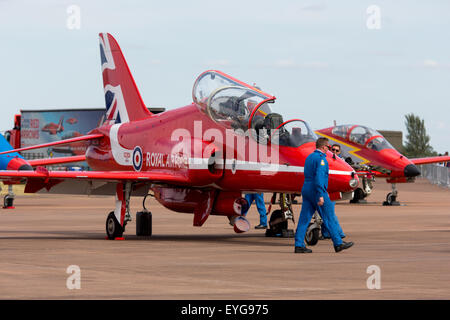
(240, 224)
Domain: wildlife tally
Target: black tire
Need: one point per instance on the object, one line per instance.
(277, 228)
(358, 195)
(8, 201)
(312, 237)
(113, 227)
(144, 223)
(390, 198)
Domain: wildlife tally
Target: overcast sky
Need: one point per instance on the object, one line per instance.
(319, 58)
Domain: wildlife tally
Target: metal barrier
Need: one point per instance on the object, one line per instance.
(436, 174)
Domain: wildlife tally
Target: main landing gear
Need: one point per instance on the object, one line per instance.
(117, 219)
(391, 198)
(313, 232)
(114, 229)
(278, 222)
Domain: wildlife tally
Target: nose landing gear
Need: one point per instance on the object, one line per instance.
(8, 200)
(391, 198)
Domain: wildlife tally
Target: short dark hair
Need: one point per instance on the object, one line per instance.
(321, 142)
(336, 145)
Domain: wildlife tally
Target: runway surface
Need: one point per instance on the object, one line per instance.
(47, 233)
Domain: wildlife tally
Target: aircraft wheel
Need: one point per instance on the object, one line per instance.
(113, 227)
(279, 227)
(312, 236)
(8, 201)
(358, 195)
(390, 199)
(144, 223)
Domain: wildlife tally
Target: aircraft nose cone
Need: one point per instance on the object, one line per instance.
(411, 171)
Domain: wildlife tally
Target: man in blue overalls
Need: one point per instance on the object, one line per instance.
(336, 149)
(315, 197)
(259, 199)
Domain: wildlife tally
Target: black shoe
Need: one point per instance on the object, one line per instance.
(302, 250)
(343, 246)
(261, 226)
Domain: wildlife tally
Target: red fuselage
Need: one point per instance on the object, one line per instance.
(153, 136)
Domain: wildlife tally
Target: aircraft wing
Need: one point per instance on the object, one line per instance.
(428, 160)
(89, 182)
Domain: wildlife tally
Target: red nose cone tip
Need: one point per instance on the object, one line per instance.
(411, 171)
(241, 225)
(18, 164)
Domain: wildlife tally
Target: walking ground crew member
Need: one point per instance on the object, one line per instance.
(315, 197)
(259, 199)
(336, 149)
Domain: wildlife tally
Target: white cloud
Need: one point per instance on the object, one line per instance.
(430, 63)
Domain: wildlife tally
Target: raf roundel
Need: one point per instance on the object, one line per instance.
(137, 158)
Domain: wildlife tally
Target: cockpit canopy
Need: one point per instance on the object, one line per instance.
(362, 135)
(246, 109)
(226, 100)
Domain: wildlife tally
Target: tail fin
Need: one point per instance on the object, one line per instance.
(123, 100)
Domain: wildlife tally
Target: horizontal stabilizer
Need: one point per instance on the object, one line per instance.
(55, 143)
(58, 160)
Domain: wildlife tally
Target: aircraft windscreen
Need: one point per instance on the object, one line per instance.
(341, 131)
(263, 121)
(379, 143)
(293, 133)
(361, 134)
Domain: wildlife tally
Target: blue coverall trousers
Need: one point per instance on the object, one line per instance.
(325, 231)
(326, 211)
(259, 199)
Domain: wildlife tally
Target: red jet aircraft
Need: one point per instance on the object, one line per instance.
(195, 159)
(53, 128)
(371, 154)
